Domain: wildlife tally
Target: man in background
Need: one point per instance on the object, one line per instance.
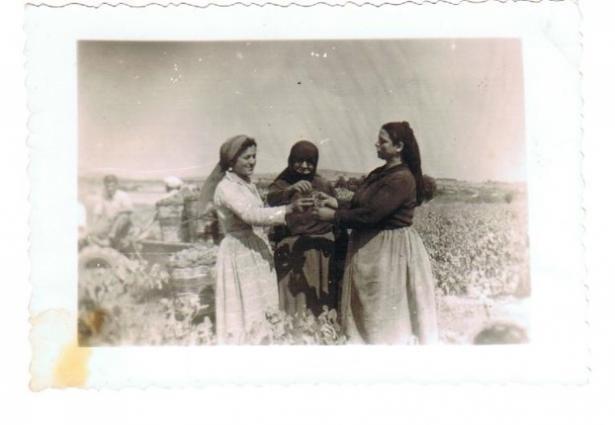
(173, 185)
(112, 214)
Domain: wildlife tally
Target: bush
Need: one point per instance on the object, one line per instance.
(283, 329)
(430, 187)
(143, 311)
(140, 309)
(340, 183)
(475, 248)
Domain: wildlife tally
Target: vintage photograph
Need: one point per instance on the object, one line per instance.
(322, 192)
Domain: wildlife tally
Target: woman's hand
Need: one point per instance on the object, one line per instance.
(302, 186)
(300, 205)
(324, 214)
(327, 201)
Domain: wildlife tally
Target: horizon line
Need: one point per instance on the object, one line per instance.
(92, 175)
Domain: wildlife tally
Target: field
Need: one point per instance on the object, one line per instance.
(475, 233)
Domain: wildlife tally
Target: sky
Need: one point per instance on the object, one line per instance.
(152, 109)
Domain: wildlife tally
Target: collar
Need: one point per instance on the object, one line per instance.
(381, 171)
(236, 179)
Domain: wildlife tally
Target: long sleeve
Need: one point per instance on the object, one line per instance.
(279, 193)
(242, 204)
(297, 223)
(385, 200)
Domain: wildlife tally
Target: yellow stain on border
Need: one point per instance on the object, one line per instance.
(71, 369)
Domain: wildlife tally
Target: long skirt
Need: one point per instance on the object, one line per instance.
(304, 267)
(388, 289)
(246, 287)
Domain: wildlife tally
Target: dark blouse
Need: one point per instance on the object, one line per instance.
(385, 200)
(298, 223)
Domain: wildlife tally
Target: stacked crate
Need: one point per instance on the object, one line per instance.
(170, 213)
(193, 269)
(196, 225)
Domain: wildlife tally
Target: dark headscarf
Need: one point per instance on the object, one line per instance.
(298, 223)
(229, 152)
(301, 151)
(402, 133)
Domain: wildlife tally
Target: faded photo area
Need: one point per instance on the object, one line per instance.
(302, 192)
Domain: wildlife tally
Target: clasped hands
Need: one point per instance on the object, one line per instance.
(322, 206)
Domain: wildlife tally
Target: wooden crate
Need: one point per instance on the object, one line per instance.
(170, 217)
(192, 279)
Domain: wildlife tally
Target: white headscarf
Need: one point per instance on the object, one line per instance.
(173, 182)
(229, 151)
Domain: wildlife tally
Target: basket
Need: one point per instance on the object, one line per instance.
(197, 225)
(170, 219)
(192, 279)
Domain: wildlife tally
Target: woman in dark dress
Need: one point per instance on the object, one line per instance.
(305, 247)
(388, 285)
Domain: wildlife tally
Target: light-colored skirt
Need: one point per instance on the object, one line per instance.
(388, 289)
(246, 286)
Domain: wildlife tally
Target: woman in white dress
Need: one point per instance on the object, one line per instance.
(246, 286)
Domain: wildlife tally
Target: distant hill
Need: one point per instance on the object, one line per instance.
(461, 191)
(447, 189)
(325, 173)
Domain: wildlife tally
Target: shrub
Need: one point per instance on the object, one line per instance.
(430, 187)
(475, 248)
(139, 310)
(112, 312)
(340, 183)
(280, 328)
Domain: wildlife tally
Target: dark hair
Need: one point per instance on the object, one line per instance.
(301, 151)
(110, 178)
(244, 146)
(402, 133)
